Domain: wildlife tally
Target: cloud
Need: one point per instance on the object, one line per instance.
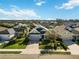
(39, 2)
(15, 12)
(69, 5)
(20, 12)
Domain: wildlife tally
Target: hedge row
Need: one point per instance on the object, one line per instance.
(52, 52)
(10, 52)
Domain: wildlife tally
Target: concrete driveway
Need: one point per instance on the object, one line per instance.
(32, 49)
(74, 49)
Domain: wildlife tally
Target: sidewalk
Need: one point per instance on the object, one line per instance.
(11, 49)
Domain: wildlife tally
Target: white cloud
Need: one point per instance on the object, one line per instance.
(69, 5)
(39, 2)
(18, 13)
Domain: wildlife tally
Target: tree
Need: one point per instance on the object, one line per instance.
(51, 35)
(59, 22)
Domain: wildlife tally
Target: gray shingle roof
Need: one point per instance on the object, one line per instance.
(34, 31)
(11, 31)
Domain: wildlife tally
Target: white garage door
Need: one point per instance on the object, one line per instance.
(35, 37)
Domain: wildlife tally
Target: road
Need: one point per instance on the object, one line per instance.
(25, 56)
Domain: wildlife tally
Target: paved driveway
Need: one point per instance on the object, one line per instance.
(32, 49)
(74, 49)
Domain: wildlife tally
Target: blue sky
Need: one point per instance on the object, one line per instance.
(39, 9)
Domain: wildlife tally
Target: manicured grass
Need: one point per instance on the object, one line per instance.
(15, 46)
(19, 44)
(10, 52)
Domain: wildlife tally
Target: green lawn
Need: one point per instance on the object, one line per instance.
(15, 46)
(18, 45)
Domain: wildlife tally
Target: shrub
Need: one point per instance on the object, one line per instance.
(46, 41)
(48, 47)
(10, 43)
(26, 40)
(64, 46)
(59, 39)
(73, 40)
(41, 46)
(52, 52)
(55, 46)
(77, 42)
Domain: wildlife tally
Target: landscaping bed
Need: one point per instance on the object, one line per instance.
(52, 44)
(54, 52)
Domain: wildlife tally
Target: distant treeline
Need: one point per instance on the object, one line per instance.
(38, 21)
(7, 25)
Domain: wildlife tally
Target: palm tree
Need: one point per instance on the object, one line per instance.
(52, 36)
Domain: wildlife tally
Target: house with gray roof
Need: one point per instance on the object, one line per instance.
(37, 33)
(7, 34)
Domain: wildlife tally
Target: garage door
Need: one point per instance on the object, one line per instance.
(35, 37)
